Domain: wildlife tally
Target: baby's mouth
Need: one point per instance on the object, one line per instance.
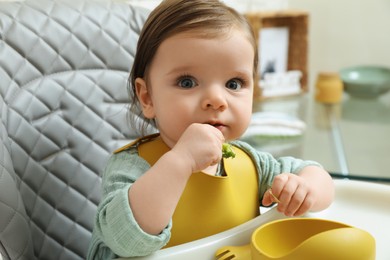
(219, 126)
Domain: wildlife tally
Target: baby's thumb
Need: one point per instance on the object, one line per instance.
(267, 199)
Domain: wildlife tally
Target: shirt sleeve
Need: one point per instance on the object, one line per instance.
(268, 166)
(116, 229)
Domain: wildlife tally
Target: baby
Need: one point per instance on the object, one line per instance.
(193, 79)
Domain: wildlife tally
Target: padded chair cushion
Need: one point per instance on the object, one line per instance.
(63, 83)
(15, 237)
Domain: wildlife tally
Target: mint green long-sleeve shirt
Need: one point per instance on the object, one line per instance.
(116, 232)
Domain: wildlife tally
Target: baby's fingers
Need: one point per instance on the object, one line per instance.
(284, 188)
(273, 197)
(294, 202)
(269, 198)
(299, 202)
(305, 204)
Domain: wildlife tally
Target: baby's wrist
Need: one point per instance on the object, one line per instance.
(181, 162)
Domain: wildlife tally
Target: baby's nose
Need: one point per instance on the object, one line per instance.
(215, 98)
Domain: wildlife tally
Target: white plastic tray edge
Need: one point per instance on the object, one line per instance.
(361, 204)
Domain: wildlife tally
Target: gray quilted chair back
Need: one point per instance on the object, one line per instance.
(63, 109)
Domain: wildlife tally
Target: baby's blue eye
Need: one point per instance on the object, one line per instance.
(186, 83)
(234, 84)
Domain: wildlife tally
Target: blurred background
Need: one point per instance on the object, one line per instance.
(341, 34)
(346, 33)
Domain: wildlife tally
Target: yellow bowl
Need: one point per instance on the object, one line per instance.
(311, 238)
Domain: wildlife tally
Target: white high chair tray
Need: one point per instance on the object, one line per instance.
(363, 205)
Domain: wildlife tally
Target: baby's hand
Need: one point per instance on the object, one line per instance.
(294, 195)
(201, 145)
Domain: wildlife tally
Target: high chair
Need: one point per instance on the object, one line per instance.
(64, 66)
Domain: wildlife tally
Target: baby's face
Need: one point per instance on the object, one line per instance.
(201, 80)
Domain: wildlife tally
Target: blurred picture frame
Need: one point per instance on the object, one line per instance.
(284, 35)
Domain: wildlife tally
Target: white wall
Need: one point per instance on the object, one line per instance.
(345, 33)
(150, 4)
(240, 5)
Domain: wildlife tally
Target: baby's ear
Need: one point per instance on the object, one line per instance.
(144, 98)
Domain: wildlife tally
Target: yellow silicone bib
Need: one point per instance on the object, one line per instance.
(210, 204)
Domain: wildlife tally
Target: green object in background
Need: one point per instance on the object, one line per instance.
(227, 151)
(366, 81)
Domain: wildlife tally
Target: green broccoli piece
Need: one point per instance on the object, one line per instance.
(227, 151)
